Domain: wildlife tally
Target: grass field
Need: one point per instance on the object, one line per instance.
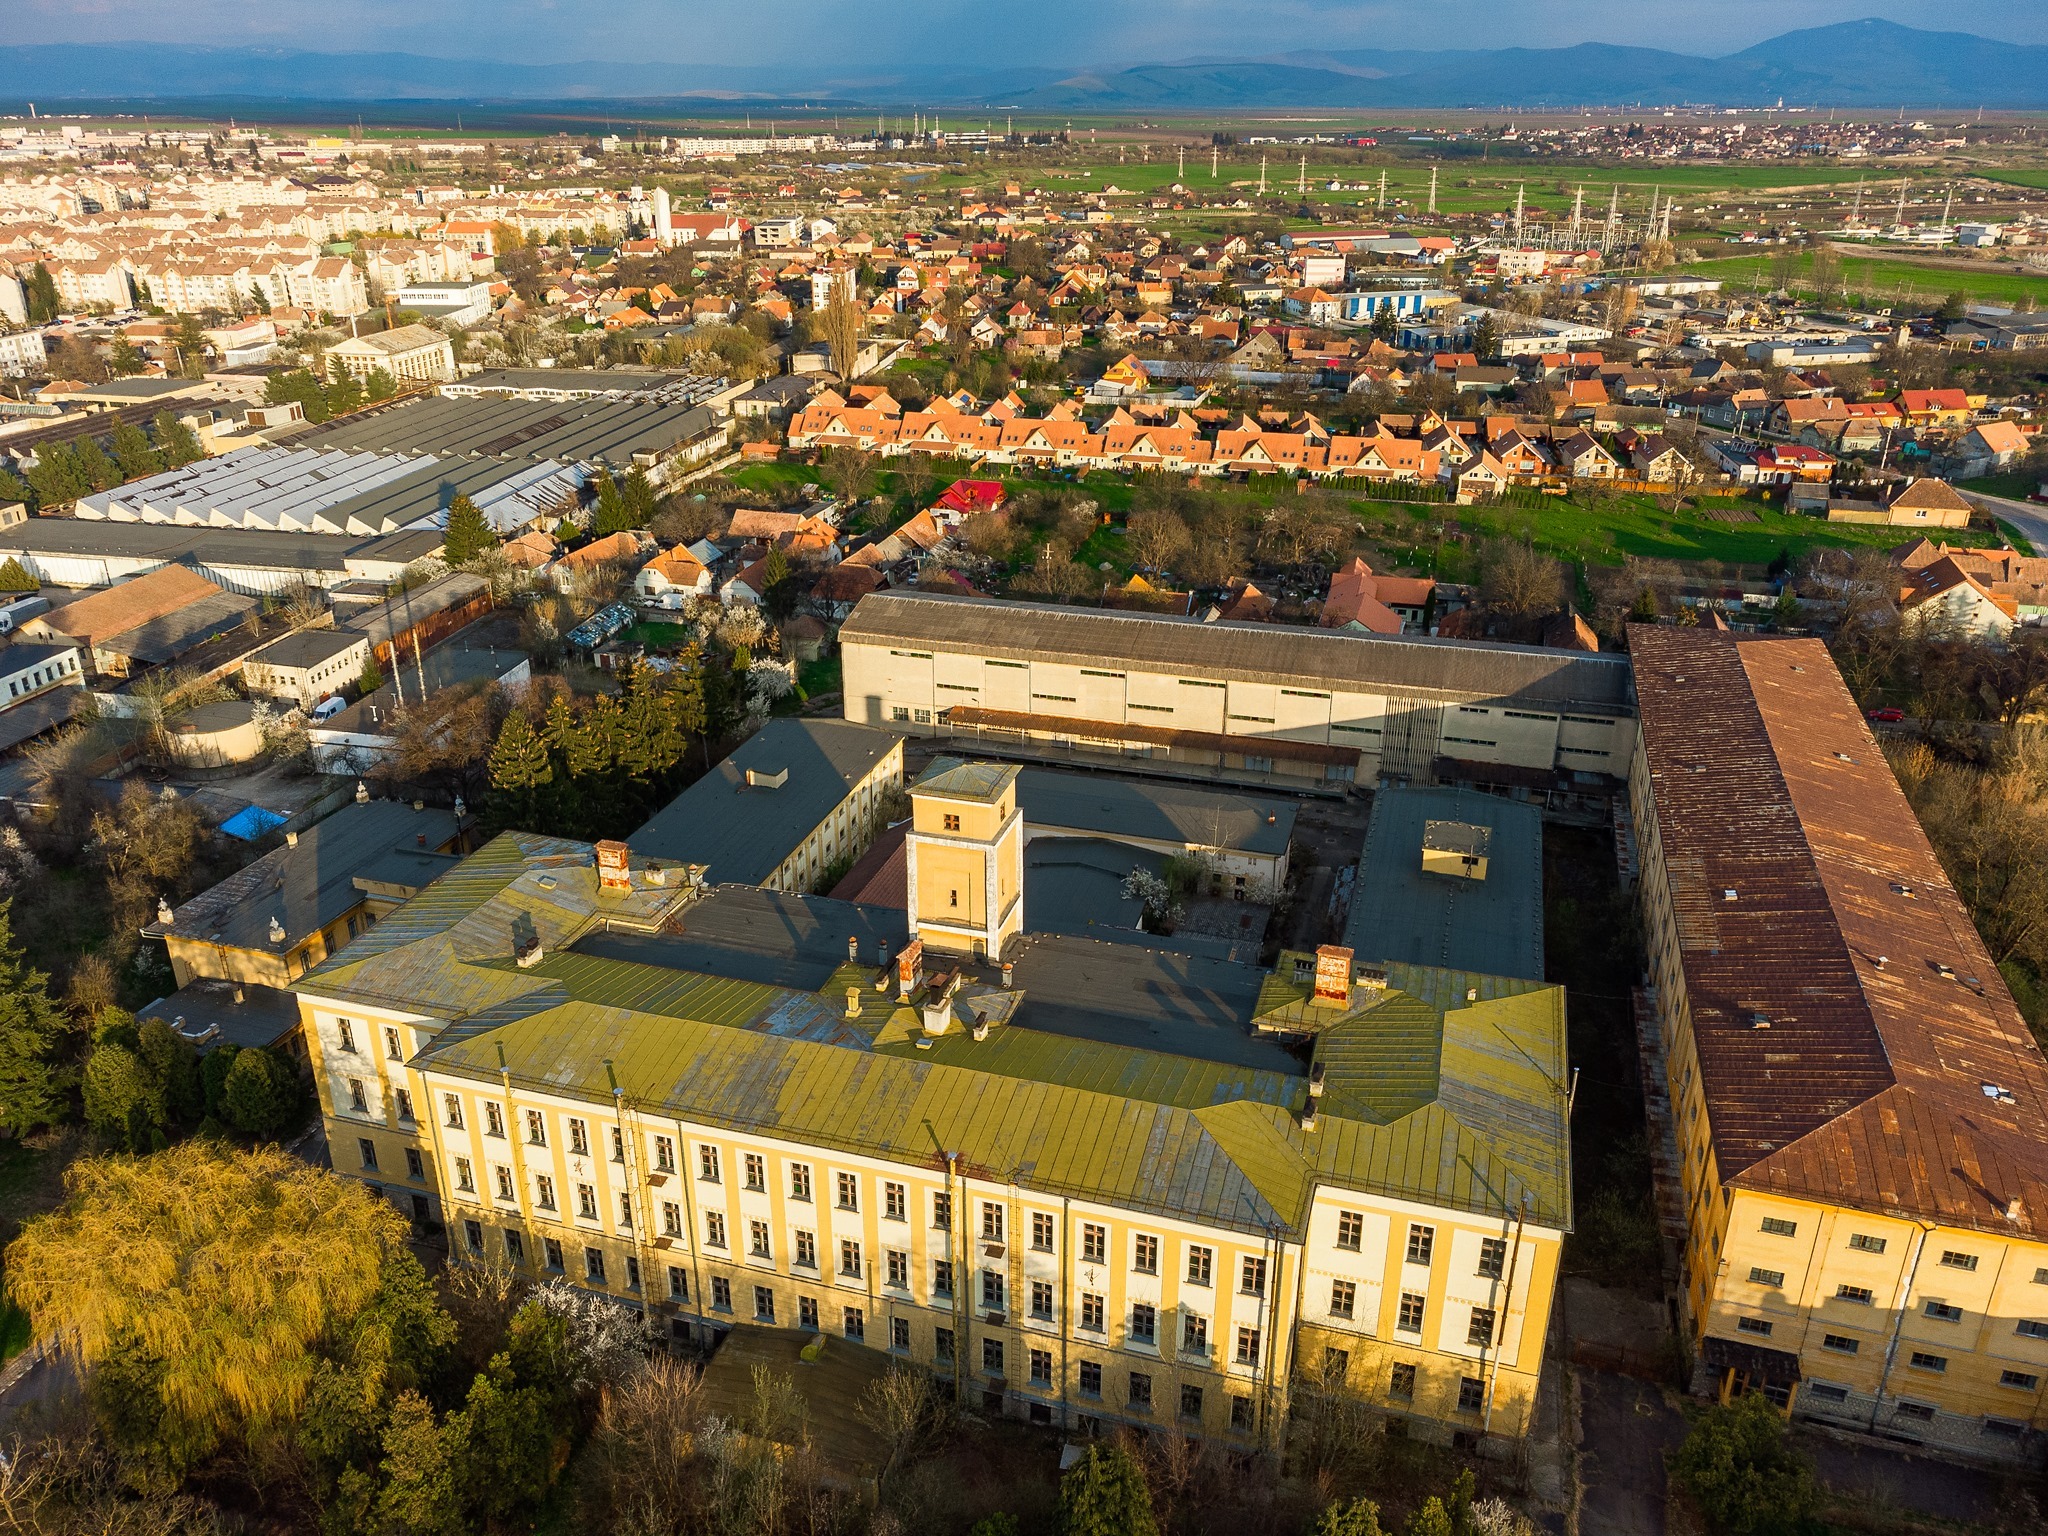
(1884, 278)
(1432, 536)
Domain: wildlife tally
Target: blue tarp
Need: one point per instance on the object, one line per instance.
(251, 822)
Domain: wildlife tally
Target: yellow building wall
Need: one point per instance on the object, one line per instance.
(406, 1114)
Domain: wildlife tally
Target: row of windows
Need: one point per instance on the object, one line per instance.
(1865, 1242)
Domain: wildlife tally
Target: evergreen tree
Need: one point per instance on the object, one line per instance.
(344, 394)
(1431, 1520)
(14, 488)
(13, 578)
(191, 342)
(373, 675)
(34, 1080)
(261, 1095)
(612, 515)
(132, 451)
(520, 769)
(1360, 1517)
(43, 302)
(469, 532)
(685, 691)
(175, 441)
(379, 385)
(502, 1443)
(94, 467)
(122, 359)
(1104, 1494)
(419, 1493)
(1485, 338)
(1384, 328)
(56, 475)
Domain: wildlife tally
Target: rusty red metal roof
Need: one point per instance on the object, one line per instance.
(1856, 1044)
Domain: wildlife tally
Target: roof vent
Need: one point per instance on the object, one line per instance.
(1315, 1081)
(1728, 894)
(163, 909)
(2015, 1209)
(1945, 972)
(1759, 1021)
(1843, 757)
(2003, 1095)
(291, 839)
(763, 778)
(1308, 1116)
(1902, 890)
(276, 930)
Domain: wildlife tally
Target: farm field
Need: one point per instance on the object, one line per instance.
(1887, 277)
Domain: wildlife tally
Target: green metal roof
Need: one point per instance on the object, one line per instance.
(1440, 1087)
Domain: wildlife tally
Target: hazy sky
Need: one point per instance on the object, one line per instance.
(836, 34)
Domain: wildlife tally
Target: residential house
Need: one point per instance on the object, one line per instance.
(671, 579)
(1359, 598)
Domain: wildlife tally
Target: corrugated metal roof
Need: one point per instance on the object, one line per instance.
(1461, 1108)
(1847, 1015)
(1253, 653)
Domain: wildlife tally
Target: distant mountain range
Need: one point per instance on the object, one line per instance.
(1858, 64)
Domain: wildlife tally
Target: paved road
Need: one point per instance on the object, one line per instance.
(1625, 1427)
(2028, 519)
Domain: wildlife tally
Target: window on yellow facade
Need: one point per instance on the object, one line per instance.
(544, 1192)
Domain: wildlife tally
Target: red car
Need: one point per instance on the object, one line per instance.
(1886, 716)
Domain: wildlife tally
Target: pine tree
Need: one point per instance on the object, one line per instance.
(133, 452)
(175, 441)
(98, 471)
(56, 475)
(519, 769)
(14, 488)
(191, 342)
(13, 577)
(34, 1081)
(43, 302)
(613, 515)
(469, 532)
(1105, 1495)
(652, 743)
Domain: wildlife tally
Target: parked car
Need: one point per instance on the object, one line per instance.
(1886, 716)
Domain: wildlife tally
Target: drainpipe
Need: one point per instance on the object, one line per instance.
(690, 1209)
(1066, 1316)
(956, 1213)
(1891, 1348)
(628, 1177)
(1507, 1302)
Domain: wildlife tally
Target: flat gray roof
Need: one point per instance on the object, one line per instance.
(261, 1016)
(1493, 926)
(1413, 665)
(307, 647)
(750, 934)
(1156, 810)
(309, 885)
(742, 833)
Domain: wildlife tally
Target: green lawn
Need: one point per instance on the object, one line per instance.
(1885, 278)
(2017, 486)
(658, 636)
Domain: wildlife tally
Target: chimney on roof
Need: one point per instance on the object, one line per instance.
(276, 930)
(1315, 1082)
(763, 778)
(853, 1002)
(291, 839)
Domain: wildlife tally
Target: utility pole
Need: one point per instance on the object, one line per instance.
(1946, 204)
(1262, 175)
(1578, 211)
(1521, 193)
(1180, 171)
(1899, 220)
(1382, 204)
(1301, 181)
(1213, 153)
(1856, 210)
(1432, 190)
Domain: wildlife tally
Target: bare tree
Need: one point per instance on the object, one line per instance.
(1156, 537)
(642, 1450)
(904, 1408)
(850, 472)
(1517, 579)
